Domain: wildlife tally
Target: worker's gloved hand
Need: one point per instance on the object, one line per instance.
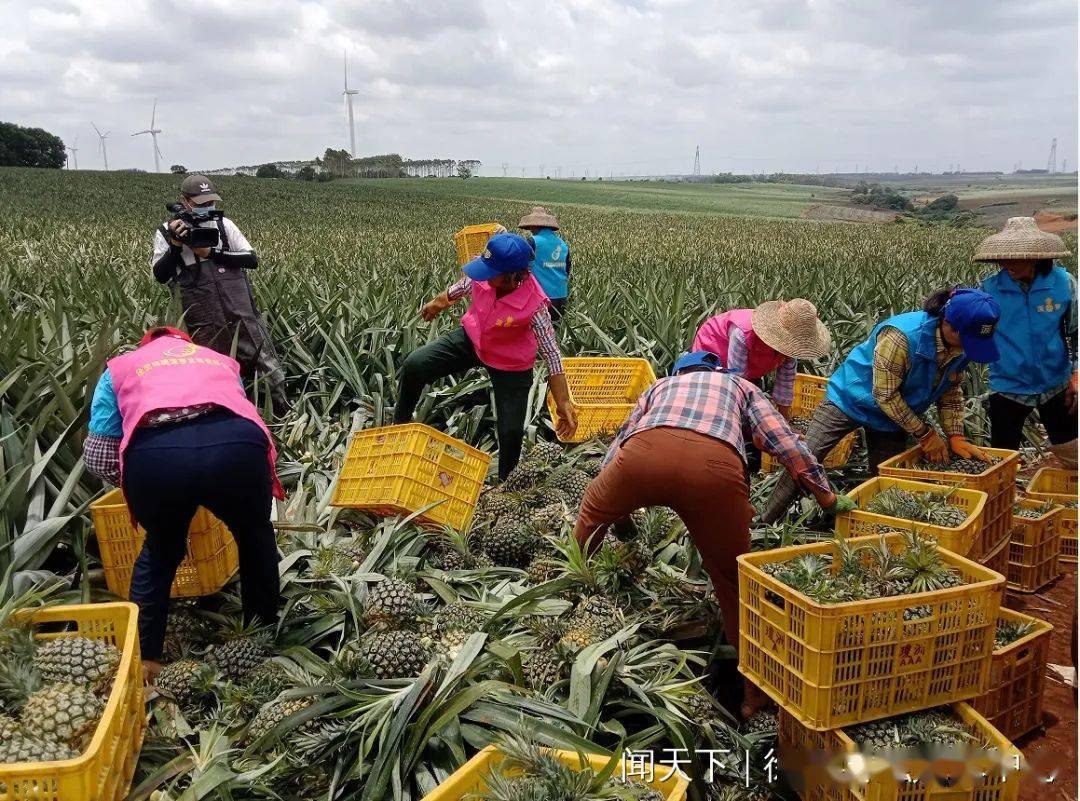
(844, 503)
(965, 450)
(934, 447)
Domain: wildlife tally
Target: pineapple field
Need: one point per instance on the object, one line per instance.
(403, 651)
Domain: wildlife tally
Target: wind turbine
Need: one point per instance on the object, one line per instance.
(101, 140)
(153, 135)
(348, 102)
(74, 150)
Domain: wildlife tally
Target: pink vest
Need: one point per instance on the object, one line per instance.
(169, 373)
(501, 328)
(713, 337)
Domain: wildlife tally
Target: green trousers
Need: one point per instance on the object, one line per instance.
(451, 354)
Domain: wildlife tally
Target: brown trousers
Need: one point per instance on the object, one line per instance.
(702, 479)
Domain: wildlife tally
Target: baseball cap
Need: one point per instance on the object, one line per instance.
(199, 189)
(697, 358)
(504, 253)
(974, 315)
(163, 331)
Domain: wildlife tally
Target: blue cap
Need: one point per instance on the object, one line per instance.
(504, 253)
(974, 315)
(697, 358)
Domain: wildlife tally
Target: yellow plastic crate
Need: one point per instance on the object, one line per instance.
(211, 557)
(809, 393)
(402, 469)
(838, 664)
(103, 771)
(468, 778)
(960, 539)
(471, 239)
(604, 391)
(1034, 548)
(1050, 484)
(998, 561)
(1013, 704)
(798, 744)
(998, 481)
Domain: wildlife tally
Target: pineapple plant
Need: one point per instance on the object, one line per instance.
(64, 713)
(509, 543)
(273, 713)
(392, 604)
(1009, 631)
(239, 655)
(927, 728)
(77, 660)
(460, 617)
(920, 507)
(543, 668)
(183, 629)
(395, 654)
(186, 681)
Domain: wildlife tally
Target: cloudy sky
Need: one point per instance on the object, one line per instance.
(625, 87)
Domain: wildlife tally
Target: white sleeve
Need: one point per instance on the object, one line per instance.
(237, 241)
(161, 247)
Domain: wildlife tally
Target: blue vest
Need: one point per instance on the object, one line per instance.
(1034, 357)
(851, 387)
(549, 265)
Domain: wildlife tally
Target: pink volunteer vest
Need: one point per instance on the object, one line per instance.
(713, 337)
(500, 329)
(169, 373)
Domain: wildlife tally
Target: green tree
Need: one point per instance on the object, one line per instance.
(269, 171)
(178, 169)
(305, 173)
(29, 147)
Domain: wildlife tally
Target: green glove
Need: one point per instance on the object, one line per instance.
(844, 503)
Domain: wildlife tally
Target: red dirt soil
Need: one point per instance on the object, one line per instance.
(1055, 223)
(1057, 743)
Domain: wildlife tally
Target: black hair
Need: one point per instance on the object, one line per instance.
(934, 305)
(696, 368)
(158, 331)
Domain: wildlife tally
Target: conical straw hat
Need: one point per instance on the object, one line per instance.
(1021, 239)
(791, 328)
(539, 217)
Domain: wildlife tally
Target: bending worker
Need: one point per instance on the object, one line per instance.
(909, 363)
(214, 287)
(1037, 335)
(551, 265)
(506, 324)
(682, 447)
(752, 343)
(171, 425)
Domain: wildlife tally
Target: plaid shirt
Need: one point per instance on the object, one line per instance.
(891, 365)
(738, 356)
(541, 326)
(719, 405)
(101, 452)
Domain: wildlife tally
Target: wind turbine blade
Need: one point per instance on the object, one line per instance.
(95, 128)
(153, 114)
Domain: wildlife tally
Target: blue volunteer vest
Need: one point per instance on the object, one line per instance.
(1034, 357)
(851, 387)
(549, 265)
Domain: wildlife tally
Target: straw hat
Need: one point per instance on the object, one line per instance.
(1021, 239)
(539, 217)
(791, 328)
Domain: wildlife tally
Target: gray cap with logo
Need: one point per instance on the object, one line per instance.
(199, 189)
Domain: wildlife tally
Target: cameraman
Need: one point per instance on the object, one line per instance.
(215, 291)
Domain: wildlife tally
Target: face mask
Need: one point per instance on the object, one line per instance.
(202, 211)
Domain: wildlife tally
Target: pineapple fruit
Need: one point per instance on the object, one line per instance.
(64, 713)
(237, 657)
(395, 654)
(391, 603)
(76, 660)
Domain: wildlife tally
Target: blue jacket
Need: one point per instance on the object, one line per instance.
(549, 265)
(851, 387)
(1032, 331)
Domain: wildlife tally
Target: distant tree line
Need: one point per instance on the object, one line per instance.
(880, 197)
(30, 147)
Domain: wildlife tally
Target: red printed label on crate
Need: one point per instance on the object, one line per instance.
(912, 654)
(445, 479)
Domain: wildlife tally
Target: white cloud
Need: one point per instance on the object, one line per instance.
(612, 86)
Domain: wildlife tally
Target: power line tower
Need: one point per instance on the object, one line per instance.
(697, 160)
(1051, 163)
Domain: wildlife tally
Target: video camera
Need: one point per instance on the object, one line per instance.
(192, 233)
